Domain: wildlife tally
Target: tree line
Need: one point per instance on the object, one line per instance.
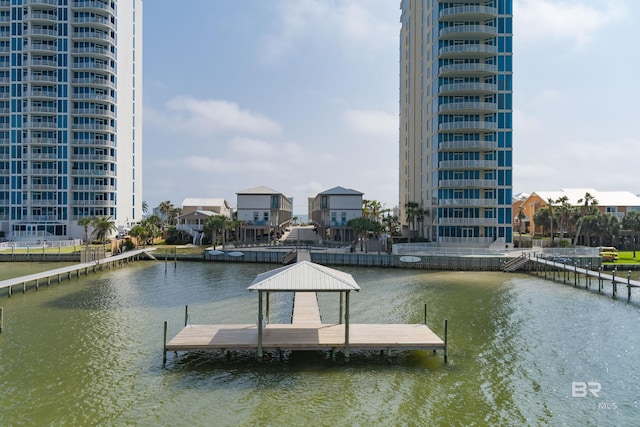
(583, 223)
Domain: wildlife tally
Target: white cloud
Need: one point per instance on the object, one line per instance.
(542, 20)
(208, 116)
(347, 24)
(372, 123)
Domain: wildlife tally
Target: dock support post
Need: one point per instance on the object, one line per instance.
(260, 353)
(629, 286)
(175, 257)
(614, 283)
(1, 319)
(268, 309)
(24, 287)
(186, 315)
(575, 275)
(10, 291)
(37, 284)
(446, 340)
(341, 308)
(346, 328)
(165, 263)
(425, 314)
(599, 279)
(164, 345)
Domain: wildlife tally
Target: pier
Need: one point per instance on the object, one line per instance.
(568, 273)
(76, 270)
(306, 330)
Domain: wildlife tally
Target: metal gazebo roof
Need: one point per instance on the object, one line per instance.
(304, 276)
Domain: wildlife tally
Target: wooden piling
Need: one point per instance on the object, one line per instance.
(186, 315)
(425, 315)
(164, 345)
(446, 341)
(1, 319)
(629, 286)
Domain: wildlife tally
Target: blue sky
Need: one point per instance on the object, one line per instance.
(302, 95)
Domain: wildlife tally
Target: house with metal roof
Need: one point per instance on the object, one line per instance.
(195, 213)
(332, 209)
(264, 212)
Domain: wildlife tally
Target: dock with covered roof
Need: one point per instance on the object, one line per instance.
(306, 331)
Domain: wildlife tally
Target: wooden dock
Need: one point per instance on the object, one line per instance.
(567, 273)
(306, 332)
(306, 337)
(75, 270)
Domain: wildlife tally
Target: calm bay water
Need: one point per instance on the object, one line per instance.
(89, 352)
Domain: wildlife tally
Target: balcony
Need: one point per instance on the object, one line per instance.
(53, 3)
(102, 188)
(93, 172)
(468, 88)
(466, 222)
(39, 171)
(93, 51)
(93, 112)
(41, 32)
(41, 202)
(469, 107)
(468, 183)
(41, 78)
(39, 16)
(96, 21)
(40, 187)
(461, 70)
(48, 63)
(93, 126)
(93, 157)
(41, 109)
(40, 141)
(93, 35)
(92, 4)
(468, 202)
(93, 97)
(468, 32)
(40, 94)
(40, 125)
(39, 156)
(468, 164)
(468, 145)
(93, 81)
(468, 13)
(94, 142)
(467, 125)
(93, 66)
(34, 47)
(101, 203)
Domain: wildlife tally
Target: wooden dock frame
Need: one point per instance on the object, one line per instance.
(66, 272)
(551, 269)
(306, 332)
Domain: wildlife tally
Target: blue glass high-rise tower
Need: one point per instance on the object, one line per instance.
(70, 115)
(456, 119)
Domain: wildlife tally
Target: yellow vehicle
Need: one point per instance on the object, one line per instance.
(608, 254)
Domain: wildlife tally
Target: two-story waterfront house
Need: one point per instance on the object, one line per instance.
(265, 213)
(332, 209)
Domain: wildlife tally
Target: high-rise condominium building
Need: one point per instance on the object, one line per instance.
(70, 115)
(455, 120)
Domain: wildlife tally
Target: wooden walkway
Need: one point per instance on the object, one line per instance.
(73, 270)
(566, 273)
(305, 309)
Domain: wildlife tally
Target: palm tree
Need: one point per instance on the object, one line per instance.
(564, 215)
(85, 222)
(631, 222)
(412, 211)
(521, 216)
(145, 207)
(213, 224)
(103, 226)
(165, 209)
(361, 226)
(551, 219)
(586, 209)
(139, 233)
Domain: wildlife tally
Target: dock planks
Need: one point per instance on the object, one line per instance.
(308, 337)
